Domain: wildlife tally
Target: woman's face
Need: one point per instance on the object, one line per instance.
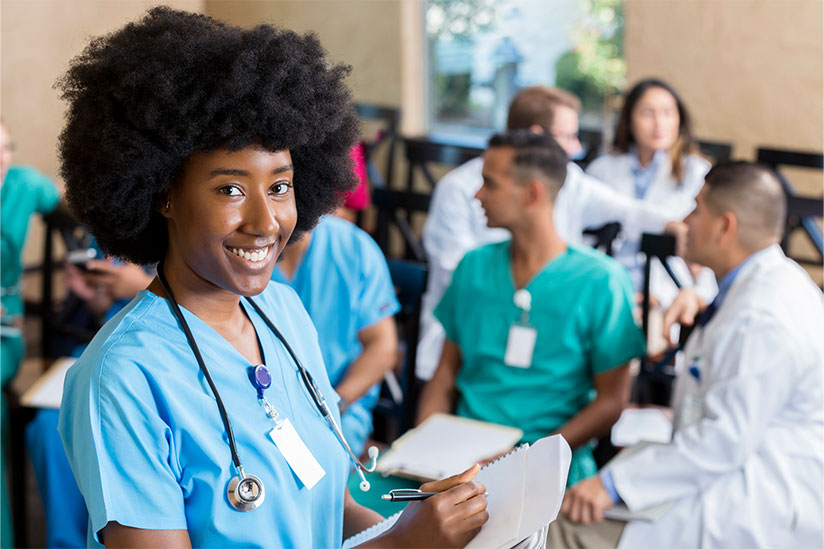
(654, 120)
(229, 218)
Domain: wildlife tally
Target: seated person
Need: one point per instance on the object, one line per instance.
(106, 286)
(342, 279)
(745, 467)
(573, 322)
(456, 222)
(25, 192)
(655, 160)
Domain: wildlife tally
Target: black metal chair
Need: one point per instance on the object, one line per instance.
(422, 151)
(389, 118)
(802, 211)
(716, 151)
(605, 236)
(654, 382)
(591, 142)
(393, 415)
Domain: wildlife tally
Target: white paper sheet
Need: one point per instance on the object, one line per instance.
(445, 445)
(525, 490)
(47, 391)
(641, 425)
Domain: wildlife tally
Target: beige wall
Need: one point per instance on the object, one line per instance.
(38, 38)
(362, 33)
(750, 70)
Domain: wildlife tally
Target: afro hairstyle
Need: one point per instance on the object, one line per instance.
(145, 98)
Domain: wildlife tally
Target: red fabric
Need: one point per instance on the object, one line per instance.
(359, 199)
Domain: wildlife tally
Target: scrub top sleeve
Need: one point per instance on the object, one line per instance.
(615, 338)
(46, 192)
(376, 298)
(130, 470)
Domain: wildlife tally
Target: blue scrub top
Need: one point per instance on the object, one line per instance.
(344, 283)
(147, 445)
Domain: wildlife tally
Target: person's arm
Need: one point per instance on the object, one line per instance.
(379, 355)
(356, 517)
(439, 394)
(598, 417)
(449, 519)
(685, 308)
(118, 280)
(116, 535)
(740, 403)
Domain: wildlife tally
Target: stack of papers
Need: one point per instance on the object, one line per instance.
(47, 391)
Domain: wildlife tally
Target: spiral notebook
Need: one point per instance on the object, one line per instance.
(525, 490)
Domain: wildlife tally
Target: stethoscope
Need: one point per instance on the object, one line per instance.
(246, 491)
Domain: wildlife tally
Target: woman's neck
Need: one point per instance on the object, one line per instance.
(645, 155)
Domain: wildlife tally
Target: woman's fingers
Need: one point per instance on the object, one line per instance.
(449, 482)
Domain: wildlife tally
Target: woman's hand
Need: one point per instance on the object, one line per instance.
(450, 519)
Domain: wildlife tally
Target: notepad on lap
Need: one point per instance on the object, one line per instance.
(525, 489)
(47, 391)
(445, 445)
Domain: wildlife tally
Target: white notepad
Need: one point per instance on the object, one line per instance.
(445, 445)
(525, 487)
(47, 391)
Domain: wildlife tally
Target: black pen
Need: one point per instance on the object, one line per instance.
(410, 494)
(407, 494)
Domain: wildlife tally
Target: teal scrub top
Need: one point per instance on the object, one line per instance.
(344, 283)
(25, 192)
(582, 310)
(147, 445)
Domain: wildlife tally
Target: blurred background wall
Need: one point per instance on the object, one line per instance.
(750, 70)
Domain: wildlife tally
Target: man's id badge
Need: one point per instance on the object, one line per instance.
(520, 345)
(296, 453)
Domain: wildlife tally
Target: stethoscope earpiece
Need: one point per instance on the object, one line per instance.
(247, 493)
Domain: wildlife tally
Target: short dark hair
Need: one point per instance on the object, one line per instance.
(753, 193)
(685, 143)
(535, 106)
(535, 154)
(144, 99)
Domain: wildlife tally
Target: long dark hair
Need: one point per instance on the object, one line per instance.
(684, 144)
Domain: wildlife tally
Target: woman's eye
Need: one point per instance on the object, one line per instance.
(230, 190)
(280, 188)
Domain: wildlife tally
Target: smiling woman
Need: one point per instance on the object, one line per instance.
(206, 147)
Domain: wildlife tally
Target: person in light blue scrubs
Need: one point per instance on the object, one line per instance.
(343, 281)
(189, 420)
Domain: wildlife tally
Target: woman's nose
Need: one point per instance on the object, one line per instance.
(261, 215)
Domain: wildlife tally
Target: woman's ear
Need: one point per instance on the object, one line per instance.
(164, 205)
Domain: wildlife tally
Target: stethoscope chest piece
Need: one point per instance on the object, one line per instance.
(247, 493)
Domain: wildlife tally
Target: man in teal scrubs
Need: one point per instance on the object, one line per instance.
(24, 192)
(539, 333)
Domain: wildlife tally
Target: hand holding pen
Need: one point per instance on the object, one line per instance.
(447, 513)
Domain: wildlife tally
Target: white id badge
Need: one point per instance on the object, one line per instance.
(297, 455)
(520, 345)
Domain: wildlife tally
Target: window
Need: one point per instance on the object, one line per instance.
(482, 51)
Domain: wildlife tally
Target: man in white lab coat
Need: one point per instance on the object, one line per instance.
(745, 467)
(456, 222)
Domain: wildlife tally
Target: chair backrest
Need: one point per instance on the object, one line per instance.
(423, 151)
(717, 151)
(409, 278)
(74, 236)
(389, 118)
(591, 141)
(605, 236)
(802, 211)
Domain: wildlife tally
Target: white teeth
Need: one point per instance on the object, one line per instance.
(254, 256)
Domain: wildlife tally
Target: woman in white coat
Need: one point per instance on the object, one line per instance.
(655, 160)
